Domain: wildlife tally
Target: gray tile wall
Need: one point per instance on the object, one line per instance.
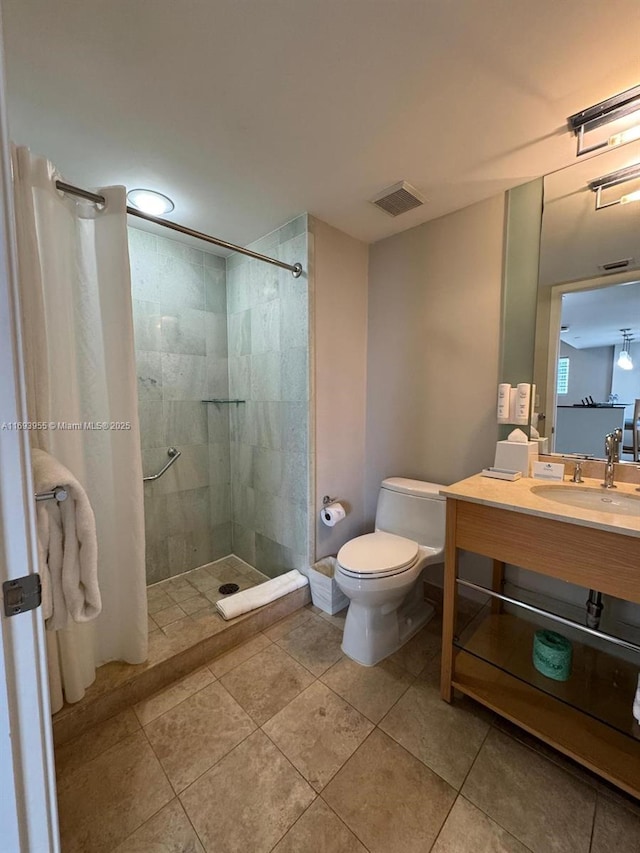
(268, 334)
(179, 308)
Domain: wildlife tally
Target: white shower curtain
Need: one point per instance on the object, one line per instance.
(78, 344)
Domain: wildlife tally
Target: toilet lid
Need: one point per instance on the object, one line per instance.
(377, 554)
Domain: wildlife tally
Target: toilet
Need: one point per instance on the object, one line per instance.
(381, 572)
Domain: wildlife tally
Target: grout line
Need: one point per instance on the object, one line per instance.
(190, 822)
(346, 825)
(494, 728)
(488, 816)
(106, 749)
(446, 818)
(215, 763)
(467, 774)
(146, 821)
(168, 687)
(346, 701)
(554, 756)
(353, 754)
(288, 760)
(164, 772)
(287, 831)
(593, 823)
(234, 649)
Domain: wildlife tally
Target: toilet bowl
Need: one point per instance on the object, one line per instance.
(381, 572)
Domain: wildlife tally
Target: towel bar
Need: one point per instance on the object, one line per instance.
(173, 454)
(58, 494)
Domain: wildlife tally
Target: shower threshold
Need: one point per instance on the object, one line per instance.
(185, 632)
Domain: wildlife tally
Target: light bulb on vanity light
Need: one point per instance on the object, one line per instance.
(629, 135)
(634, 196)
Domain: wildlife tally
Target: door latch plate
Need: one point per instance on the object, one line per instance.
(21, 594)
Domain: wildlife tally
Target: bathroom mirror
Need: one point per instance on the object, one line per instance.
(588, 291)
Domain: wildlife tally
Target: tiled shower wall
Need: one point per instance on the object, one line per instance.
(268, 335)
(179, 307)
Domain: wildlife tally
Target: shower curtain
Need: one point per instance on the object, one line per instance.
(77, 332)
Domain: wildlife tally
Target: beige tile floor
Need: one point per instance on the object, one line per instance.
(284, 745)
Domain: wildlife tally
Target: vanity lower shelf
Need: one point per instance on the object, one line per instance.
(601, 685)
(595, 745)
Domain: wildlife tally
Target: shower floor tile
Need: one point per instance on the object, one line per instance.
(248, 782)
(183, 607)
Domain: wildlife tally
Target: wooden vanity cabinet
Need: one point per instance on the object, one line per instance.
(588, 718)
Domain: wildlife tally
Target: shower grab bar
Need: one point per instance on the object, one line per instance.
(58, 494)
(173, 453)
(226, 402)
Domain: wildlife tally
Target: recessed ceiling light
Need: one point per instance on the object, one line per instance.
(150, 201)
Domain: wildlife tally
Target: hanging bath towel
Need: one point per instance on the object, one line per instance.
(67, 546)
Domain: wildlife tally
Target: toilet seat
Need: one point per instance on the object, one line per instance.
(377, 555)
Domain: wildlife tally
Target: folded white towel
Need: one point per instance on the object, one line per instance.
(67, 546)
(258, 596)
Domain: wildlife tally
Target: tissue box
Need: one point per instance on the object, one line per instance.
(516, 455)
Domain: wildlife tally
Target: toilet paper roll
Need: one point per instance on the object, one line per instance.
(332, 514)
(552, 655)
(504, 402)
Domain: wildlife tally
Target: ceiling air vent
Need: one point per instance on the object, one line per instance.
(622, 264)
(398, 199)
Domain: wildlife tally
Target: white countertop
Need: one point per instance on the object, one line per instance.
(517, 496)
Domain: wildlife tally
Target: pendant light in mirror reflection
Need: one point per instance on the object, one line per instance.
(150, 201)
(619, 113)
(625, 362)
(629, 177)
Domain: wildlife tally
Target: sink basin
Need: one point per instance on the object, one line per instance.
(601, 500)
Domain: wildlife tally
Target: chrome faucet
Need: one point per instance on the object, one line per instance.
(612, 443)
(577, 473)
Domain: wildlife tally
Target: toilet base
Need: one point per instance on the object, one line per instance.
(371, 634)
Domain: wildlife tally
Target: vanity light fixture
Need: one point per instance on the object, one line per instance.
(610, 110)
(622, 176)
(150, 201)
(624, 359)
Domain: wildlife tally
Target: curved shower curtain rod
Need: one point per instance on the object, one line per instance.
(295, 269)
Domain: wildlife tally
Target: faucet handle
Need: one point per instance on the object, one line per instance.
(577, 473)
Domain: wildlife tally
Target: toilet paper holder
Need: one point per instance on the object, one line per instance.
(327, 500)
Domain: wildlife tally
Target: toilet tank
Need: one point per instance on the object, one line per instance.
(413, 509)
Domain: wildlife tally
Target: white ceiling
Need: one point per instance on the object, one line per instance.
(595, 317)
(248, 113)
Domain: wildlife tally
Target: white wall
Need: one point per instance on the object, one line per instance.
(590, 372)
(433, 354)
(340, 335)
